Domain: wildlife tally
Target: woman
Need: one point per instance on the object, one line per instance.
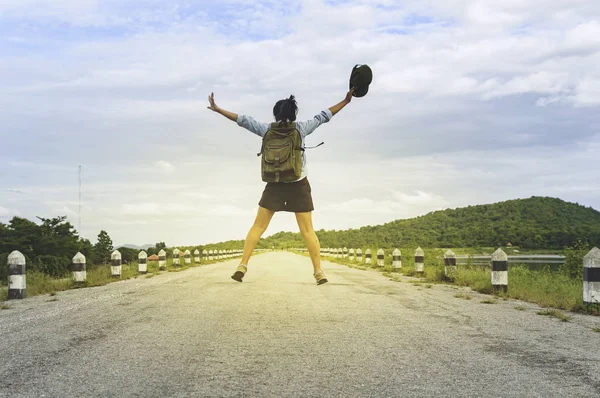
(284, 196)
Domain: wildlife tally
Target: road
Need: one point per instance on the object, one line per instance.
(278, 334)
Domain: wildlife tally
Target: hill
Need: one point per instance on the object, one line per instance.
(536, 222)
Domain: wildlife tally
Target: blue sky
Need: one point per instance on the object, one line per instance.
(472, 102)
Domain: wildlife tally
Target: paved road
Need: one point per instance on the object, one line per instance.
(198, 333)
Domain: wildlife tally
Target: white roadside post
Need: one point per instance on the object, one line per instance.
(339, 252)
(176, 256)
(499, 271)
(143, 262)
(368, 256)
(204, 255)
(115, 264)
(397, 259)
(591, 277)
(351, 255)
(210, 255)
(449, 264)
(197, 256)
(345, 252)
(359, 256)
(79, 269)
(187, 256)
(419, 260)
(380, 258)
(162, 259)
(17, 282)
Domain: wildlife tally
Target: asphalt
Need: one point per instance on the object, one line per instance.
(197, 333)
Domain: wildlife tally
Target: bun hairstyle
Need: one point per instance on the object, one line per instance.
(285, 110)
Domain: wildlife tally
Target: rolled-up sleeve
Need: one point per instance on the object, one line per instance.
(308, 126)
(252, 125)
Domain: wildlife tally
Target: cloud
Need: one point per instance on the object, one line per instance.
(165, 167)
(472, 102)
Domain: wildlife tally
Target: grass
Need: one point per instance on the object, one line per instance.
(554, 313)
(596, 329)
(97, 275)
(541, 286)
(463, 295)
(4, 307)
(52, 299)
(488, 301)
(520, 308)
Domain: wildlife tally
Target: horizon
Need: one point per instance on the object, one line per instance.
(471, 103)
(266, 235)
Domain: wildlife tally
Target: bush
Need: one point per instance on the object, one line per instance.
(573, 265)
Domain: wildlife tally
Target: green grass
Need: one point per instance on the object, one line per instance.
(97, 275)
(554, 313)
(4, 307)
(541, 286)
(463, 295)
(488, 301)
(52, 299)
(596, 329)
(520, 308)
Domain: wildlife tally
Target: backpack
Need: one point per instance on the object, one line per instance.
(281, 153)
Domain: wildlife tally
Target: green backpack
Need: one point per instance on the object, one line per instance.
(281, 153)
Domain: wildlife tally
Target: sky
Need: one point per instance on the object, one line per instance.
(472, 102)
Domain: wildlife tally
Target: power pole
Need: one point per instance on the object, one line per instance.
(80, 200)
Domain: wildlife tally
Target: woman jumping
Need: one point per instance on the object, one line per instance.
(294, 196)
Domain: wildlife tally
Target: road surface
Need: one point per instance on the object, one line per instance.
(278, 334)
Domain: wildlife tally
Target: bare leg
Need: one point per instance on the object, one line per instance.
(263, 218)
(312, 241)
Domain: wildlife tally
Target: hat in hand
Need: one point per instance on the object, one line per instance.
(360, 78)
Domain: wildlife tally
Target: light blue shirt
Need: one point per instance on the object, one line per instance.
(304, 128)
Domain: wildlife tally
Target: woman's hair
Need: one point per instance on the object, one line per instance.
(285, 110)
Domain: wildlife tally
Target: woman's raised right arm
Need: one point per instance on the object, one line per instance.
(213, 107)
(244, 121)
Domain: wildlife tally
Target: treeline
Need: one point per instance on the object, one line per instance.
(534, 223)
(49, 246)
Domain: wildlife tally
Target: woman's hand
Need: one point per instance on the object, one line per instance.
(349, 95)
(211, 100)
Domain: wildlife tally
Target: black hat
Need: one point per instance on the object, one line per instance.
(360, 78)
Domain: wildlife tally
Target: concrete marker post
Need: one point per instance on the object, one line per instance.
(449, 264)
(162, 259)
(419, 260)
(499, 271)
(397, 259)
(176, 257)
(351, 255)
(197, 256)
(187, 257)
(368, 256)
(17, 280)
(359, 256)
(380, 258)
(591, 277)
(143, 262)
(78, 267)
(115, 264)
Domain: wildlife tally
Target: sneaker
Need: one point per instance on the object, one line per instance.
(320, 277)
(240, 271)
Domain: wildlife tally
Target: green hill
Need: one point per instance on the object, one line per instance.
(537, 222)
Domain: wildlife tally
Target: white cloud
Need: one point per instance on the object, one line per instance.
(165, 167)
(454, 81)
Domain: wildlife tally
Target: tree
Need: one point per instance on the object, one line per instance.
(103, 248)
(159, 246)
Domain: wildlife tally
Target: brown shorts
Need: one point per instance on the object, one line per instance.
(287, 196)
